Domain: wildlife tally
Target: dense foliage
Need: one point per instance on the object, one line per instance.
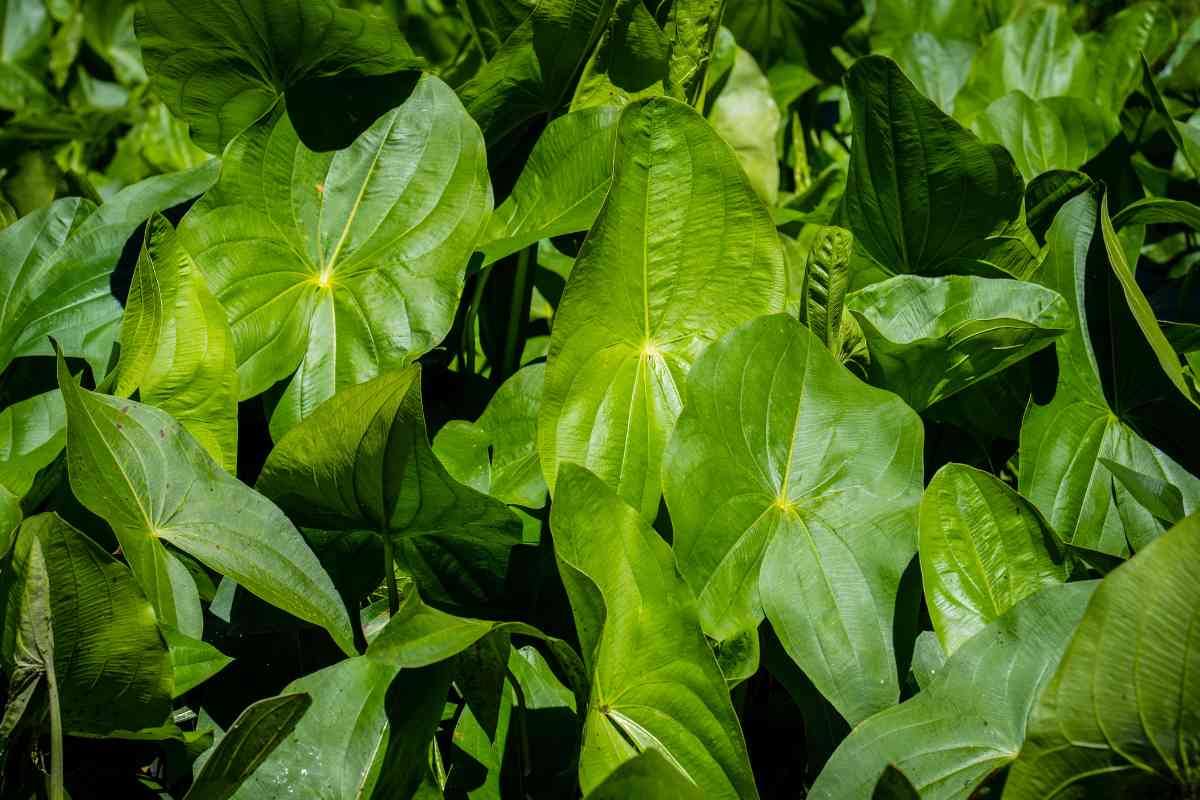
(599, 398)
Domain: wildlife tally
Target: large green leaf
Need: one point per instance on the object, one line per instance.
(921, 189)
(782, 501)
(367, 732)
(1115, 53)
(337, 266)
(932, 337)
(970, 720)
(362, 461)
(32, 434)
(655, 683)
(983, 549)
(176, 347)
(562, 186)
(111, 670)
(252, 737)
(221, 65)
(746, 116)
(534, 70)
(682, 252)
(140, 471)
(1064, 440)
(497, 454)
(56, 265)
(1125, 697)
(1052, 133)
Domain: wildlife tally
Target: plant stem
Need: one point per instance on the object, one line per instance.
(389, 558)
(516, 305)
(57, 791)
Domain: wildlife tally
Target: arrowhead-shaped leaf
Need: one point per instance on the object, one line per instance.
(337, 266)
(146, 476)
(682, 252)
(781, 503)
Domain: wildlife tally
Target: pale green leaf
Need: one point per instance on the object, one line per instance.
(1052, 133)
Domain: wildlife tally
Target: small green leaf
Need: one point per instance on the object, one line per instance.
(253, 736)
(983, 549)
(1158, 497)
(193, 661)
(826, 278)
(746, 116)
(140, 471)
(932, 337)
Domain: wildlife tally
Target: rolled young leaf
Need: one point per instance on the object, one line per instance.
(655, 684)
(682, 252)
(793, 490)
(983, 549)
(333, 267)
(176, 347)
(1124, 699)
(139, 470)
(826, 278)
(932, 337)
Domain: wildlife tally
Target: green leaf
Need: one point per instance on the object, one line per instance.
(193, 661)
(534, 70)
(746, 116)
(1153, 210)
(1185, 137)
(932, 337)
(1063, 440)
(655, 684)
(222, 66)
(631, 60)
(1124, 698)
(826, 278)
(1143, 314)
(796, 31)
(362, 461)
(921, 189)
(56, 263)
(780, 504)
(648, 774)
(1042, 135)
(937, 66)
(1161, 499)
(1047, 193)
(639, 306)
(1037, 53)
(952, 19)
(562, 186)
(176, 347)
(366, 734)
(254, 735)
(692, 30)
(139, 470)
(983, 548)
(110, 670)
(970, 721)
(500, 448)
(1143, 30)
(32, 434)
(337, 266)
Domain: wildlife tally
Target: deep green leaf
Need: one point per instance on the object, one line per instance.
(648, 775)
(793, 488)
(1185, 137)
(640, 305)
(932, 337)
(193, 661)
(655, 684)
(140, 471)
(221, 65)
(983, 548)
(921, 189)
(894, 785)
(1158, 497)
